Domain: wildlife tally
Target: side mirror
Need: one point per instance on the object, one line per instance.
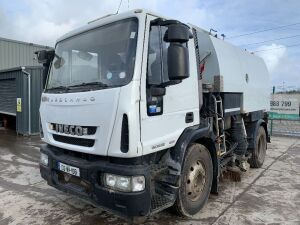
(45, 56)
(178, 32)
(178, 35)
(178, 62)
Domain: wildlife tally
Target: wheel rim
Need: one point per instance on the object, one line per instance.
(261, 148)
(196, 180)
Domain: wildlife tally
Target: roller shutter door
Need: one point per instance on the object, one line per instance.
(8, 96)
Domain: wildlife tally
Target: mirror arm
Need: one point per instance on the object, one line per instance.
(170, 83)
(165, 84)
(157, 91)
(162, 22)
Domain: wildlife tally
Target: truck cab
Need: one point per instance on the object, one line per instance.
(122, 116)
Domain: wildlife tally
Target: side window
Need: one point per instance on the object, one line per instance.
(164, 49)
(157, 56)
(157, 70)
(154, 72)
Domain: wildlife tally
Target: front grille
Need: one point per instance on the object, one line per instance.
(74, 141)
(75, 183)
(89, 130)
(159, 202)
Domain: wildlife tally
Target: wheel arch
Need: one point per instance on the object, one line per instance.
(201, 136)
(252, 129)
(210, 145)
(265, 126)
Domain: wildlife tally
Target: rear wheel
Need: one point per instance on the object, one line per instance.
(196, 181)
(259, 153)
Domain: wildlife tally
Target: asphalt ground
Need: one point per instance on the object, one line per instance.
(269, 195)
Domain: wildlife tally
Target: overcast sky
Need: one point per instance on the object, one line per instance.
(43, 21)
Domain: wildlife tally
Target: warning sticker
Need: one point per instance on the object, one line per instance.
(19, 104)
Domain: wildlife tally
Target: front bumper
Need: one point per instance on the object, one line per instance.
(90, 186)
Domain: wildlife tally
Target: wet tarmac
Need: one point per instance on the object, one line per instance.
(269, 195)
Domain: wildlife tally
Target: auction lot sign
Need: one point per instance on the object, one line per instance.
(284, 108)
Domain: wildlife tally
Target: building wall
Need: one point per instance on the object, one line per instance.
(13, 56)
(16, 53)
(21, 82)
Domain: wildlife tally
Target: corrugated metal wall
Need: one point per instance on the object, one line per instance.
(21, 82)
(14, 83)
(8, 94)
(15, 53)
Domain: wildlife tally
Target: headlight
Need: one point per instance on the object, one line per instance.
(110, 180)
(124, 183)
(138, 183)
(44, 159)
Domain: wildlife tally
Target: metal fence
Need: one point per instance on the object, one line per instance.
(285, 127)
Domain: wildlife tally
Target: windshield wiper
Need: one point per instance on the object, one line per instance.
(68, 88)
(96, 83)
(63, 88)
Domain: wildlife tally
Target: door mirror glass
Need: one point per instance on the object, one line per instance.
(178, 62)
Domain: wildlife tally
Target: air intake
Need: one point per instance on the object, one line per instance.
(125, 135)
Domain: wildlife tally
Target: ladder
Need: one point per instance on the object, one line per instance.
(219, 125)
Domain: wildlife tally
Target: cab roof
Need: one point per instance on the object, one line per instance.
(139, 13)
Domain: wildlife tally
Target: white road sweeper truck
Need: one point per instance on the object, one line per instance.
(141, 113)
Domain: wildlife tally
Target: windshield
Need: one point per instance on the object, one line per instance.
(103, 57)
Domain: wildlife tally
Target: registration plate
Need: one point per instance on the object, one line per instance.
(69, 169)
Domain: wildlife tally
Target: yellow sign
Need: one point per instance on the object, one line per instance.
(19, 105)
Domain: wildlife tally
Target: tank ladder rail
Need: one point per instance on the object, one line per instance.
(219, 125)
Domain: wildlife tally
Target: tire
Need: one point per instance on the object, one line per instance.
(196, 181)
(259, 153)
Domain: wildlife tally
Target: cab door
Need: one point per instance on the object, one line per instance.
(165, 110)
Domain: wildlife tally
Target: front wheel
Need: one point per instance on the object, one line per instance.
(196, 181)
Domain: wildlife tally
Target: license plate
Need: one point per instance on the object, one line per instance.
(69, 169)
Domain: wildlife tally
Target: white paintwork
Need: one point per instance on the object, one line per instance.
(164, 130)
(107, 111)
(100, 113)
(232, 109)
(129, 105)
(233, 64)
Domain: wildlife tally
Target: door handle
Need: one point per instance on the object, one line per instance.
(189, 117)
